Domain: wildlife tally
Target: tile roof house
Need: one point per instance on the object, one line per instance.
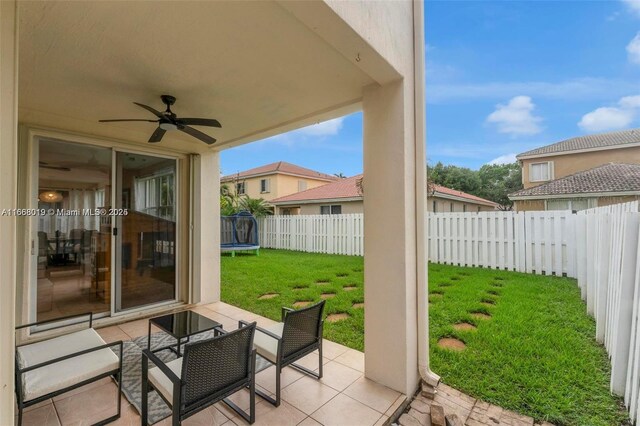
(569, 157)
(344, 197)
(275, 180)
(603, 185)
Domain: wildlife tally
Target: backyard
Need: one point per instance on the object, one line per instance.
(520, 341)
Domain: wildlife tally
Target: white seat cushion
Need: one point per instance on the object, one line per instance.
(265, 345)
(161, 382)
(60, 375)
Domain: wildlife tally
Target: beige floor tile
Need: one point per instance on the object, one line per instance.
(395, 405)
(332, 350)
(33, 407)
(266, 379)
(85, 388)
(41, 416)
(381, 420)
(128, 417)
(339, 376)
(309, 422)
(372, 394)
(284, 415)
(242, 400)
(228, 310)
(352, 358)
(343, 411)
(308, 394)
(210, 416)
(88, 407)
(136, 328)
(113, 334)
(311, 361)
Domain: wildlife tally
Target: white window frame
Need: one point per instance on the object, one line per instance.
(265, 186)
(331, 207)
(242, 185)
(550, 171)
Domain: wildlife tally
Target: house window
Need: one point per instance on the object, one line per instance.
(302, 185)
(240, 190)
(450, 206)
(464, 208)
(434, 207)
(154, 195)
(575, 204)
(541, 172)
(265, 185)
(335, 209)
(478, 209)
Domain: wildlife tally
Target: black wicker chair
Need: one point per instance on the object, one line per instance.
(54, 366)
(210, 371)
(299, 334)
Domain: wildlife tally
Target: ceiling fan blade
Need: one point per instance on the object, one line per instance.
(157, 135)
(197, 134)
(63, 169)
(151, 110)
(200, 122)
(128, 119)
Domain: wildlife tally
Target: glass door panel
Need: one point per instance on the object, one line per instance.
(73, 243)
(146, 234)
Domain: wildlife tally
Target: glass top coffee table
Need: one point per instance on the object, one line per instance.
(181, 326)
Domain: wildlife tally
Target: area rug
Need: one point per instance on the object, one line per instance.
(132, 371)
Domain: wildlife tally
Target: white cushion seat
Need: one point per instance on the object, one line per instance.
(161, 382)
(267, 346)
(62, 374)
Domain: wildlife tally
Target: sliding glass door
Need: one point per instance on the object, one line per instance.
(145, 218)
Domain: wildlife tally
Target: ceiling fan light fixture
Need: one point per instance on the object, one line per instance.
(168, 126)
(50, 197)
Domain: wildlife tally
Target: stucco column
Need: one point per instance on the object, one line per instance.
(206, 228)
(390, 261)
(8, 182)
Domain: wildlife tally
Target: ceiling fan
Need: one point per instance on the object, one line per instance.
(167, 120)
(44, 165)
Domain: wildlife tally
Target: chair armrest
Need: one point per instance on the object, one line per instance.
(161, 365)
(73, 355)
(284, 312)
(268, 333)
(90, 314)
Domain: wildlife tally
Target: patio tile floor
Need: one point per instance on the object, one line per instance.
(343, 397)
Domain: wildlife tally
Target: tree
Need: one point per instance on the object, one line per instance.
(339, 175)
(454, 177)
(498, 181)
(256, 206)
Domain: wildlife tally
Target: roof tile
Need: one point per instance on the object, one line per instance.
(601, 140)
(280, 166)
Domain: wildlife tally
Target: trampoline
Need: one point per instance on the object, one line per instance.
(239, 232)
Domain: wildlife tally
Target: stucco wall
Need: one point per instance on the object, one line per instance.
(568, 164)
(443, 205)
(280, 185)
(348, 207)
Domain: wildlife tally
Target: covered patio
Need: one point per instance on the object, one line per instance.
(261, 69)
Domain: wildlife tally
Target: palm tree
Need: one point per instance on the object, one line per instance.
(339, 175)
(258, 207)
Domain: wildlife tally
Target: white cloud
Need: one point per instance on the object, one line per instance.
(516, 118)
(326, 128)
(611, 117)
(586, 88)
(633, 50)
(504, 159)
(633, 6)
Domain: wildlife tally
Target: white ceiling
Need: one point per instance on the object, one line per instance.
(251, 65)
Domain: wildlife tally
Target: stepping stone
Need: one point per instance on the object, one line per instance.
(342, 274)
(494, 292)
(326, 296)
(302, 303)
(436, 292)
(268, 296)
(445, 285)
(451, 344)
(498, 278)
(358, 305)
(435, 295)
(322, 282)
(464, 326)
(350, 288)
(337, 317)
(480, 315)
(302, 287)
(455, 278)
(489, 302)
(497, 284)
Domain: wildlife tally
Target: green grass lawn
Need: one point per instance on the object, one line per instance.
(536, 354)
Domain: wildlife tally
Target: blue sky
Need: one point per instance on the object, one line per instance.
(502, 78)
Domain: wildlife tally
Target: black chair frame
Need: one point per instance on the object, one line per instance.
(291, 358)
(185, 411)
(116, 374)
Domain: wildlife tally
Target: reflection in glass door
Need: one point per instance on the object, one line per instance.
(146, 234)
(72, 248)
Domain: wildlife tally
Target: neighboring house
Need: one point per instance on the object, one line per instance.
(344, 197)
(275, 180)
(571, 156)
(600, 186)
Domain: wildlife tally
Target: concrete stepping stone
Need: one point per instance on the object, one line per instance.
(302, 303)
(268, 296)
(452, 344)
(350, 288)
(481, 315)
(322, 282)
(359, 305)
(445, 284)
(326, 296)
(300, 287)
(342, 274)
(338, 317)
(464, 326)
